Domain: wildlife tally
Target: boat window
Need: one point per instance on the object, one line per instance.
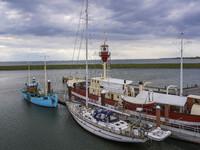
(45, 98)
(122, 122)
(117, 96)
(117, 124)
(196, 101)
(177, 108)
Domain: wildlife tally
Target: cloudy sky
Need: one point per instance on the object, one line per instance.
(135, 29)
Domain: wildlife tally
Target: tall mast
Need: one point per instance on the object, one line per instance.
(104, 35)
(86, 53)
(29, 73)
(45, 75)
(181, 71)
(180, 42)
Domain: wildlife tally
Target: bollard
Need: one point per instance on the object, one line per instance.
(103, 99)
(157, 116)
(166, 107)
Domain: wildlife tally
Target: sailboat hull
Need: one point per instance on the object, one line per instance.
(48, 101)
(104, 134)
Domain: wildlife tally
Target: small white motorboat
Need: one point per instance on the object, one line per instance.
(158, 134)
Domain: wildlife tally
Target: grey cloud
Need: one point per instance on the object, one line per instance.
(130, 17)
(125, 20)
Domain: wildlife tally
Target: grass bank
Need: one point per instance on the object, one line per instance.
(99, 66)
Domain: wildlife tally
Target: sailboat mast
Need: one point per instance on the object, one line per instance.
(86, 53)
(181, 71)
(45, 75)
(29, 73)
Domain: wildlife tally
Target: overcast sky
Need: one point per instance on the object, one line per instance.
(135, 29)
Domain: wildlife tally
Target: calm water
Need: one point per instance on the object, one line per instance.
(24, 126)
(120, 61)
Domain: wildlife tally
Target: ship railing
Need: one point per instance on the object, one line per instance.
(176, 125)
(181, 128)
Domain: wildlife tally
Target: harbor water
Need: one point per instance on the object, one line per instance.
(24, 126)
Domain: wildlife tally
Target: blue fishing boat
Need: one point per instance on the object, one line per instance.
(36, 96)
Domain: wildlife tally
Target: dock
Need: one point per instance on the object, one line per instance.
(192, 90)
(62, 99)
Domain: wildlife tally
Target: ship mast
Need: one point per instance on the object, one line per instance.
(104, 35)
(180, 42)
(104, 54)
(104, 63)
(45, 75)
(86, 11)
(29, 73)
(181, 71)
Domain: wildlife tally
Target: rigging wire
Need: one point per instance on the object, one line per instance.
(76, 39)
(80, 46)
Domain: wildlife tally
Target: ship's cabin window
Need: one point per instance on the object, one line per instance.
(117, 96)
(45, 98)
(104, 49)
(97, 81)
(109, 95)
(177, 109)
(196, 101)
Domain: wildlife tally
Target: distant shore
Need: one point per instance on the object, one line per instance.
(113, 66)
(197, 57)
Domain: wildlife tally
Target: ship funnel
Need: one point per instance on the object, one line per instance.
(49, 86)
(140, 86)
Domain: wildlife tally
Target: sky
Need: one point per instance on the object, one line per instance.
(134, 29)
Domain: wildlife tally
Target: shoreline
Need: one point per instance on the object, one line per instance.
(112, 66)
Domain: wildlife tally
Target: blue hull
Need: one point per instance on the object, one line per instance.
(47, 101)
